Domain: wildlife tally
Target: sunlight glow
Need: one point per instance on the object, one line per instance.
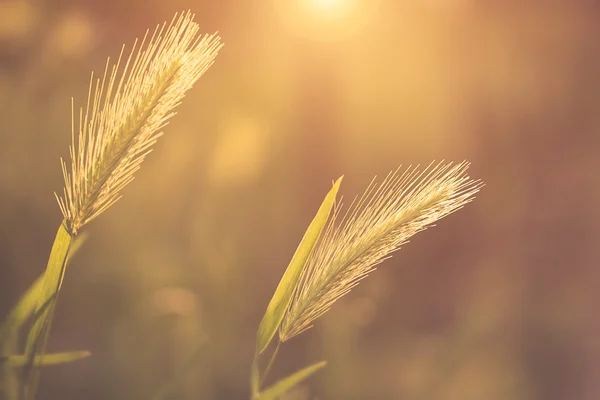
(325, 19)
(330, 8)
(327, 4)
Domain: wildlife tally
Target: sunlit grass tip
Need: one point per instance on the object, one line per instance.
(125, 113)
(374, 226)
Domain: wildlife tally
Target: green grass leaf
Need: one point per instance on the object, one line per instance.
(45, 306)
(287, 383)
(283, 294)
(26, 305)
(14, 321)
(48, 359)
(255, 377)
(10, 378)
(49, 287)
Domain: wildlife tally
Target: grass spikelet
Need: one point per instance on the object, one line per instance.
(125, 113)
(373, 227)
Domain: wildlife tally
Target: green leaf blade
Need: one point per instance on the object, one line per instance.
(45, 306)
(45, 360)
(283, 294)
(27, 304)
(287, 383)
(15, 320)
(49, 287)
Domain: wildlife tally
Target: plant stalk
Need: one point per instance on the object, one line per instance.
(44, 311)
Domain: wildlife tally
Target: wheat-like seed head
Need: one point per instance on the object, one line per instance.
(125, 113)
(373, 227)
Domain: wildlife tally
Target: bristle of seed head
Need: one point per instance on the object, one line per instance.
(125, 113)
(374, 226)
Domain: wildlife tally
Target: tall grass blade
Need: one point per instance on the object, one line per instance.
(283, 294)
(46, 300)
(14, 321)
(287, 383)
(45, 360)
(25, 307)
(9, 377)
(255, 377)
(50, 285)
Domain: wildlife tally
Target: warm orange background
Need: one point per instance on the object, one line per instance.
(497, 302)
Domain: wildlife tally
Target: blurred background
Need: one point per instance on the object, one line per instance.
(496, 302)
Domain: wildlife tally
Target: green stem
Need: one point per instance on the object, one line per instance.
(269, 365)
(46, 300)
(257, 379)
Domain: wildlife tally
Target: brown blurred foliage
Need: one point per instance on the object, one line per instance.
(497, 302)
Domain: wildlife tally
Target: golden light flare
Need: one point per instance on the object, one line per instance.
(326, 20)
(329, 8)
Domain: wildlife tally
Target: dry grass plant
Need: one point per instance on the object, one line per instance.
(349, 246)
(374, 226)
(125, 113)
(124, 116)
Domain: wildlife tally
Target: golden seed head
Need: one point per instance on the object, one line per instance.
(373, 227)
(125, 113)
